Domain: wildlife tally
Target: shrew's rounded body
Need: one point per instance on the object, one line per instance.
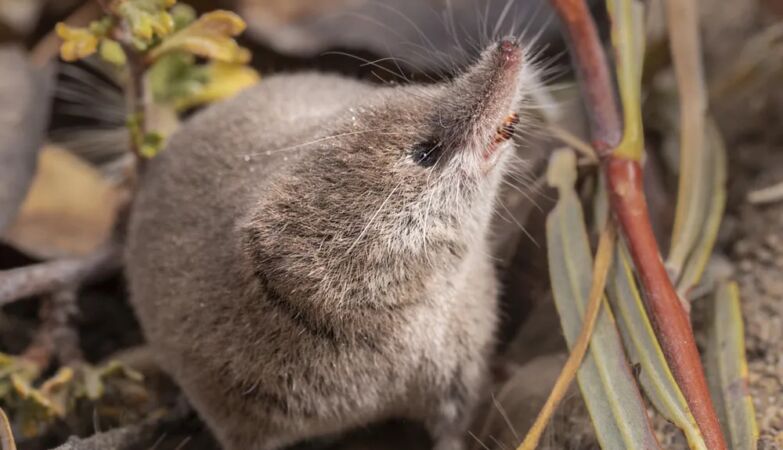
(300, 269)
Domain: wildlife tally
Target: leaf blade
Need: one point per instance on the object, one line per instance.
(209, 36)
(605, 379)
(642, 345)
(729, 375)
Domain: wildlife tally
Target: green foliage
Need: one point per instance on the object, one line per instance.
(728, 369)
(111, 51)
(162, 41)
(610, 392)
(175, 76)
(149, 143)
(148, 20)
(176, 80)
(78, 43)
(33, 408)
(210, 36)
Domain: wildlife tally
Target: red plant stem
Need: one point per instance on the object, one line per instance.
(629, 207)
(671, 321)
(591, 65)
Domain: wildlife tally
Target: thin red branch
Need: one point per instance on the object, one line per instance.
(596, 81)
(629, 207)
(671, 321)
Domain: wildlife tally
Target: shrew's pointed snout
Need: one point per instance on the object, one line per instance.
(482, 101)
(494, 77)
(509, 52)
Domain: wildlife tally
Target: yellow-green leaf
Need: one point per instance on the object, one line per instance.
(224, 80)
(727, 372)
(613, 400)
(111, 51)
(693, 193)
(33, 409)
(709, 210)
(175, 76)
(210, 36)
(183, 15)
(627, 18)
(57, 389)
(643, 348)
(77, 43)
(147, 19)
(93, 383)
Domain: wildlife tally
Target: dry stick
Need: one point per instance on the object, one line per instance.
(134, 86)
(135, 97)
(56, 337)
(603, 259)
(629, 206)
(50, 276)
(6, 435)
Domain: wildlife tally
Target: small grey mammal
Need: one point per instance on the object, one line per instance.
(312, 256)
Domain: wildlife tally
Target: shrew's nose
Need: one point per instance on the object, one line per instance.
(509, 51)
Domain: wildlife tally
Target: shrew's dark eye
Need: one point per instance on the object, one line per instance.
(426, 153)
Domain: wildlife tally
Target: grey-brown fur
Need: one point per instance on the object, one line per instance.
(298, 274)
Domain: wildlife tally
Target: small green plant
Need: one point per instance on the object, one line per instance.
(171, 58)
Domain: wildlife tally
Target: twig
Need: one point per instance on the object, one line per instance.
(134, 97)
(7, 441)
(624, 178)
(592, 67)
(56, 335)
(131, 436)
(53, 276)
(603, 259)
(574, 142)
(768, 194)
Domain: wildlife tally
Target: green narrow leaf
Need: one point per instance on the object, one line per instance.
(608, 387)
(715, 187)
(628, 17)
(728, 369)
(642, 346)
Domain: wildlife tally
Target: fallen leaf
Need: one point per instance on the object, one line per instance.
(69, 211)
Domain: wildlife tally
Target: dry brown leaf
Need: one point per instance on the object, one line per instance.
(69, 210)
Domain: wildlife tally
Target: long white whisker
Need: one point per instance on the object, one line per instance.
(521, 228)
